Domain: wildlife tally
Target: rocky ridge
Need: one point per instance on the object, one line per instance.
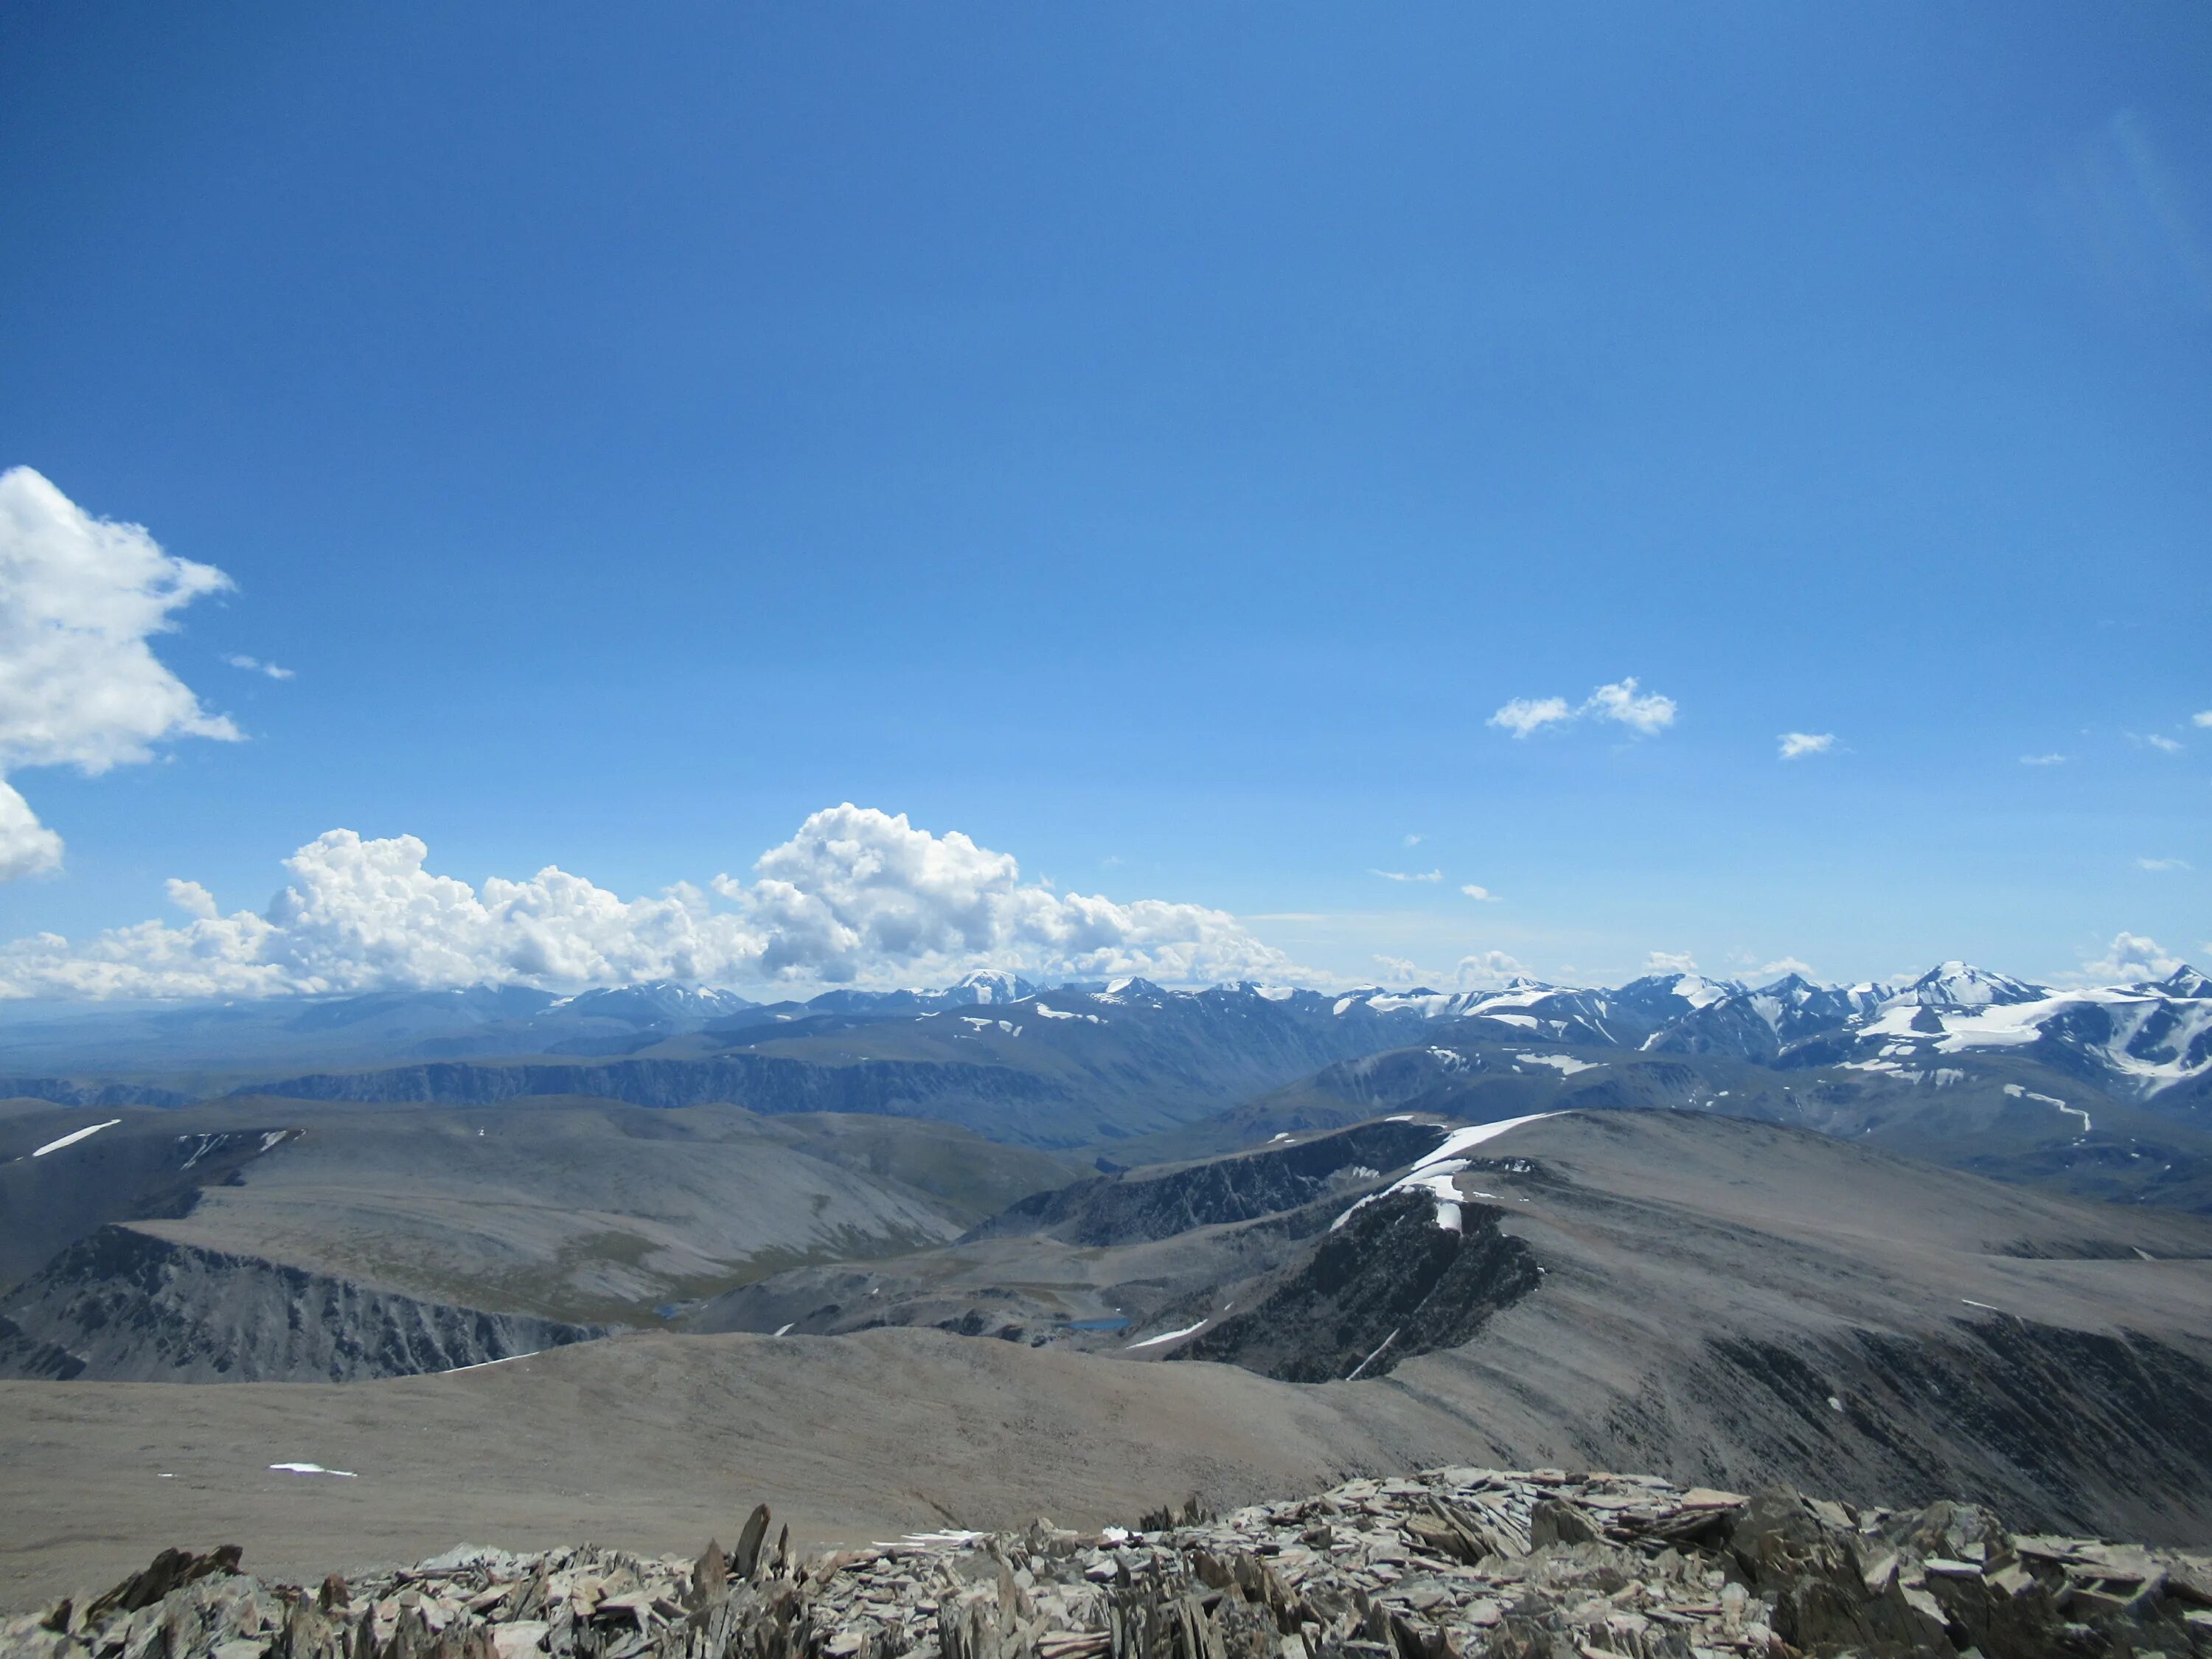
(124, 1305)
(1451, 1563)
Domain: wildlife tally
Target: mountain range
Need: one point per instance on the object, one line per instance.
(1682, 1224)
(1193, 1050)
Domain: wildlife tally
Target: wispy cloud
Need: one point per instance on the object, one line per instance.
(2120, 211)
(1525, 714)
(1670, 961)
(1403, 875)
(1788, 965)
(1795, 746)
(1645, 712)
(1413, 840)
(255, 666)
(2159, 741)
(1482, 894)
(2042, 760)
(2201, 717)
(2164, 864)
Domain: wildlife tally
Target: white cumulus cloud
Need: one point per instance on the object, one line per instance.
(2201, 717)
(28, 847)
(80, 686)
(1397, 970)
(1795, 746)
(1486, 971)
(255, 666)
(1670, 961)
(2130, 959)
(2163, 864)
(1645, 712)
(855, 894)
(1789, 965)
(1481, 894)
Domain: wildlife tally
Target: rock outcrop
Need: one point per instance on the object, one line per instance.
(124, 1306)
(1456, 1562)
(1385, 1283)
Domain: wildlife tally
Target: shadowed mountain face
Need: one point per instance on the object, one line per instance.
(1386, 1285)
(139, 1166)
(124, 1306)
(1161, 1204)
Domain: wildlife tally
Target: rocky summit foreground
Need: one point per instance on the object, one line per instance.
(1452, 1562)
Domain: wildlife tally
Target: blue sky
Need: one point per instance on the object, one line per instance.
(1155, 440)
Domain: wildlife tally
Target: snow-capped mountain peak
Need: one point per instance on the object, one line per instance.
(654, 1000)
(2184, 982)
(987, 985)
(1695, 988)
(1962, 985)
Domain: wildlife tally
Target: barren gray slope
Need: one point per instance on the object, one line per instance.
(1708, 1285)
(578, 1210)
(1719, 1300)
(561, 1209)
(656, 1441)
(1741, 1303)
(363, 1241)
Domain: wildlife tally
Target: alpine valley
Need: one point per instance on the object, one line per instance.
(530, 1268)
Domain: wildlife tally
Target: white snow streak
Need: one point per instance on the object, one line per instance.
(72, 1138)
(1567, 1064)
(1372, 1358)
(2019, 1093)
(1460, 1140)
(456, 1371)
(1166, 1336)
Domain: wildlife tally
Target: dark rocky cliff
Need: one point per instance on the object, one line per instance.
(124, 1306)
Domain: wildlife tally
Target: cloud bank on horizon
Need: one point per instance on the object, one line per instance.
(855, 894)
(80, 597)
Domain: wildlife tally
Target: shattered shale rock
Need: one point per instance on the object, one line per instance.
(1452, 1564)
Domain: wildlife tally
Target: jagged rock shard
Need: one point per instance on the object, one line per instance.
(1363, 1572)
(1552, 1521)
(749, 1542)
(711, 1573)
(170, 1570)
